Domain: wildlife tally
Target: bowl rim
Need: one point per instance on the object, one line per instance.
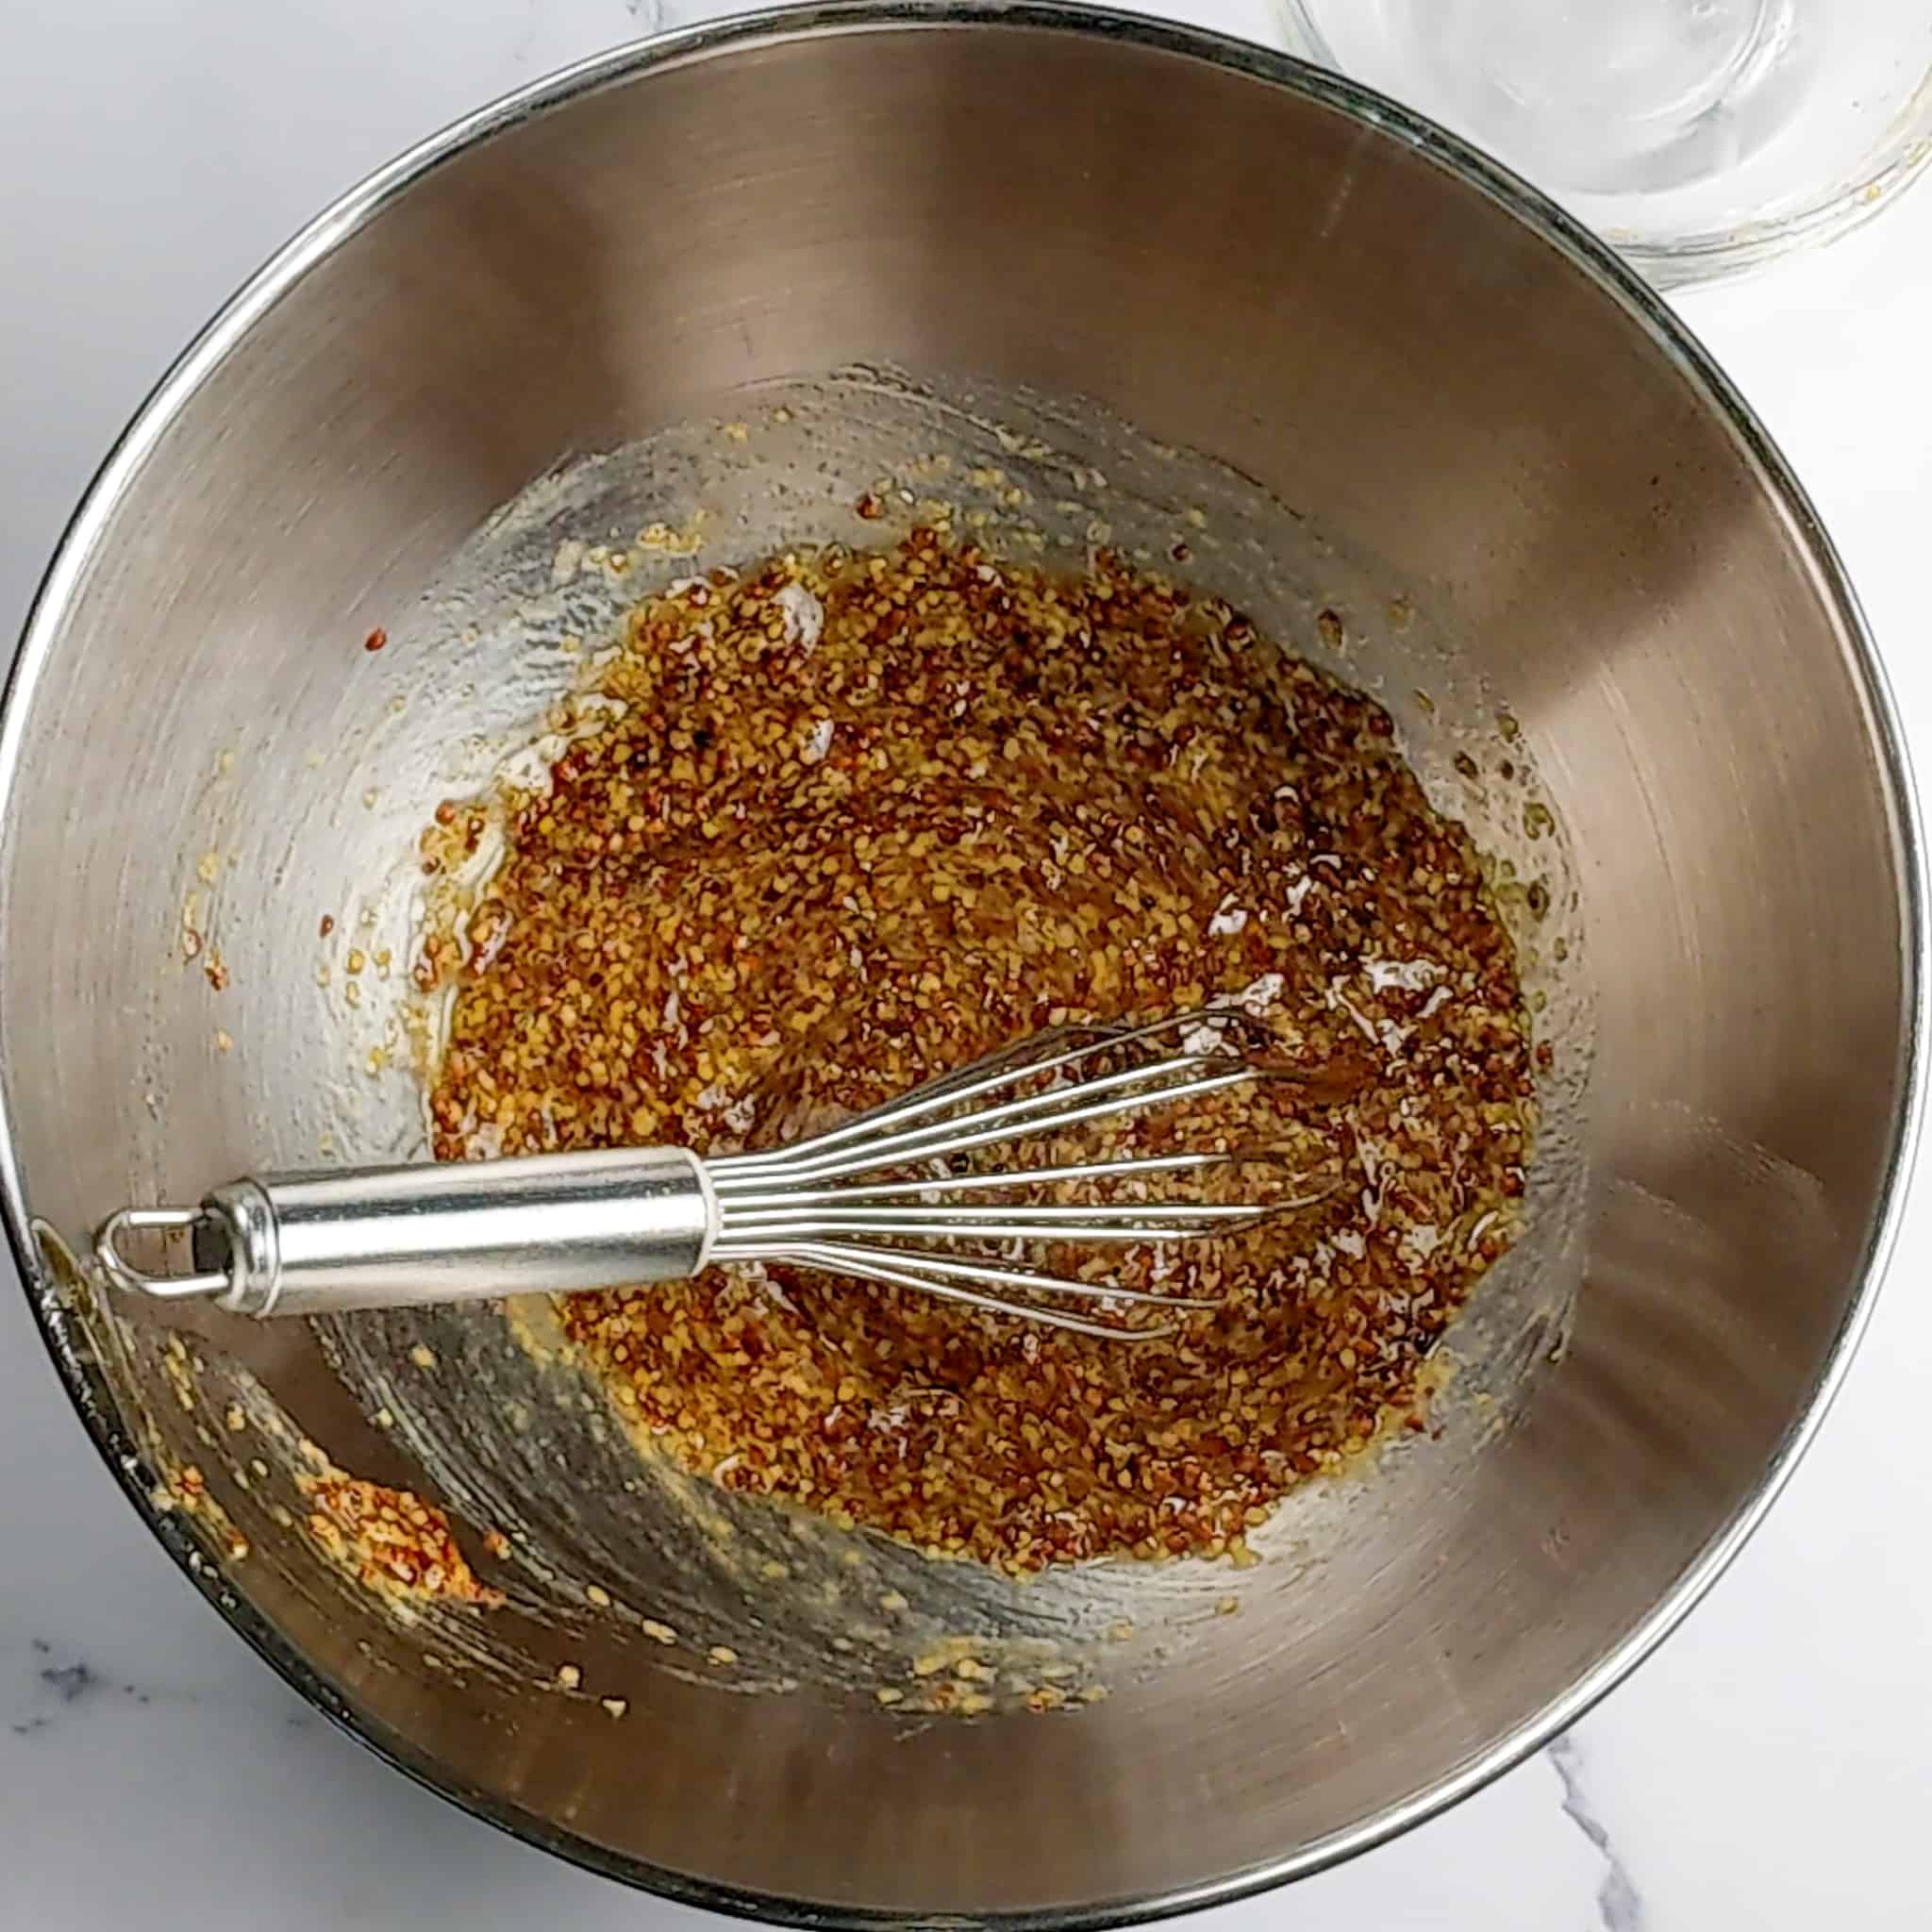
(64, 1335)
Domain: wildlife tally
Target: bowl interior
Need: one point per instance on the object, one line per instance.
(1068, 279)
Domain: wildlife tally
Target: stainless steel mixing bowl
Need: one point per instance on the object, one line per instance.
(1098, 272)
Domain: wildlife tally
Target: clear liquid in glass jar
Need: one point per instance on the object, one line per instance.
(1692, 133)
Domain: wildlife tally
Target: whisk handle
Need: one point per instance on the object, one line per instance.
(401, 1237)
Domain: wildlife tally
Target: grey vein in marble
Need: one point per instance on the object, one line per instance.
(55, 1686)
(1619, 1904)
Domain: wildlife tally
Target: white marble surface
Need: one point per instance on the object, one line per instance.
(1770, 1769)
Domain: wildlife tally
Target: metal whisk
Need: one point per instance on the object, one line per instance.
(890, 1196)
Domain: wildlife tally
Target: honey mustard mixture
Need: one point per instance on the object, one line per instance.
(846, 821)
